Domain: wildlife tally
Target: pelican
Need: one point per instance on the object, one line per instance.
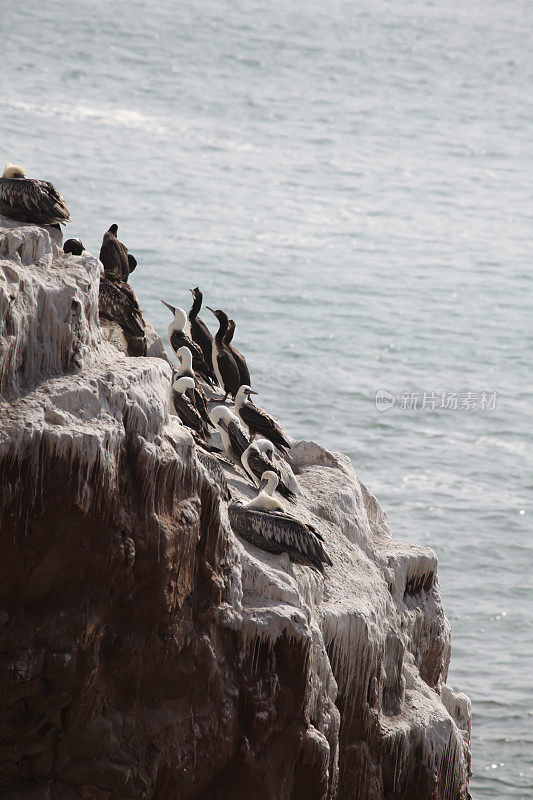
(184, 408)
(178, 338)
(234, 439)
(224, 364)
(264, 522)
(118, 263)
(28, 200)
(197, 329)
(256, 464)
(242, 366)
(257, 420)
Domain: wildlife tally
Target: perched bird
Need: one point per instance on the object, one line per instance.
(178, 338)
(196, 395)
(29, 200)
(257, 420)
(185, 410)
(264, 522)
(117, 303)
(224, 364)
(256, 464)
(74, 247)
(118, 263)
(234, 439)
(197, 330)
(242, 366)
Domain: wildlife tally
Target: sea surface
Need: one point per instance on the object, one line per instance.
(352, 182)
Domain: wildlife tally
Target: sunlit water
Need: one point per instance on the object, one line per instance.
(352, 182)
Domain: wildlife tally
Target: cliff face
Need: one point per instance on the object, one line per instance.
(147, 652)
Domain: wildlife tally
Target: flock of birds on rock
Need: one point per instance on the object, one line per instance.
(264, 520)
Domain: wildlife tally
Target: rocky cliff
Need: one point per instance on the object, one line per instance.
(145, 650)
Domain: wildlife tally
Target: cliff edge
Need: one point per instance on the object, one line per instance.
(148, 652)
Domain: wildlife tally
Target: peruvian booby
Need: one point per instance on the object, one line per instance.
(264, 522)
(184, 408)
(28, 200)
(73, 246)
(197, 329)
(118, 263)
(258, 421)
(214, 469)
(234, 439)
(224, 364)
(256, 464)
(196, 395)
(178, 338)
(242, 366)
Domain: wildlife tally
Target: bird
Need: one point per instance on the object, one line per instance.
(29, 200)
(256, 464)
(178, 338)
(257, 420)
(224, 364)
(215, 471)
(242, 366)
(117, 302)
(264, 522)
(234, 439)
(197, 330)
(196, 395)
(118, 263)
(183, 407)
(73, 246)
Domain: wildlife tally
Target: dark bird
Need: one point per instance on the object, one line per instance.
(196, 395)
(74, 247)
(178, 338)
(184, 408)
(242, 366)
(28, 200)
(234, 439)
(117, 303)
(224, 364)
(258, 421)
(118, 263)
(256, 464)
(197, 329)
(264, 522)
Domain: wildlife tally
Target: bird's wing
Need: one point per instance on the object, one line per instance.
(258, 463)
(279, 529)
(34, 200)
(239, 440)
(116, 305)
(261, 422)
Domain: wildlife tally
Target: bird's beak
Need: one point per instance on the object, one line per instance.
(192, 292)
(251, 392)
(263, 484)
(210, 309)
(170, 308)
(223, 424)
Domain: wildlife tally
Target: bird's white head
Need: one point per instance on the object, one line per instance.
(266, 447)
(180, 317)
(185, 356)
(183, 384)
(269, 482)
(243, 394)
(222, 416)
(13, 171)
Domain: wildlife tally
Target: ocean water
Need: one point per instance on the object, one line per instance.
(352, 182)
